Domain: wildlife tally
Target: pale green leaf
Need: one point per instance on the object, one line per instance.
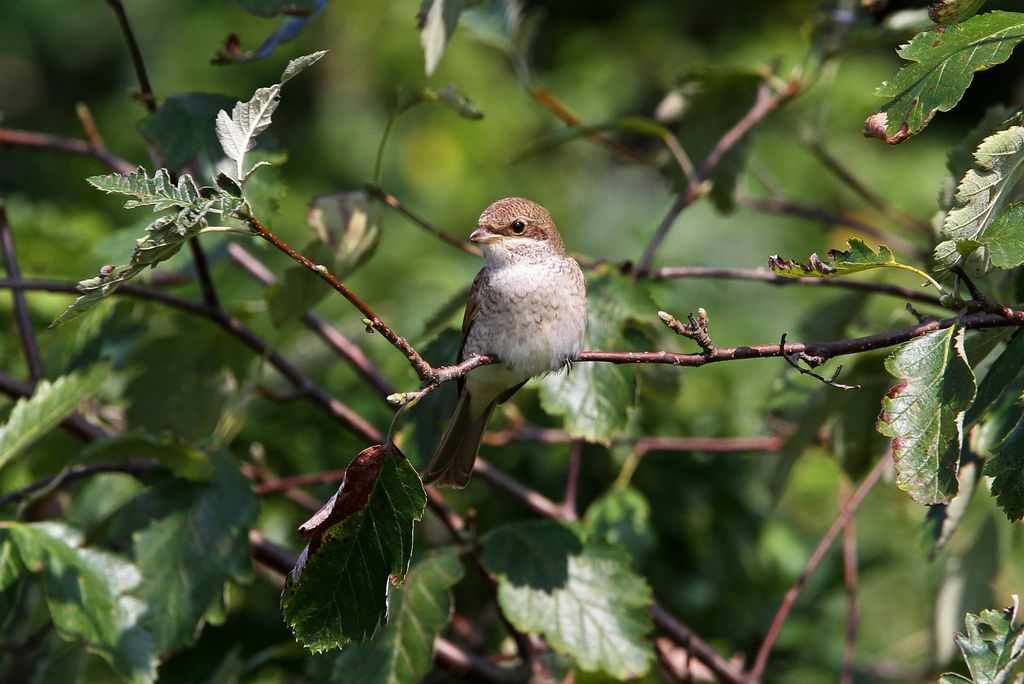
(944, 62)
(157, 192)
(582, 597)
(924, 413)
(184, 461)
(237, 132)
(300, 64)
(982, 194)
(338, 592)
(993, 646)
(348, 223)
(403, 652)
(437, 22)
(88, 593)
(1005, 237)
(50, 403)
(186, 556)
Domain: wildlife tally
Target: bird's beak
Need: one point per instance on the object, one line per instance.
(483, 235)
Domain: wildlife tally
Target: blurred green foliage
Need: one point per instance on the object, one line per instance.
(719, 536)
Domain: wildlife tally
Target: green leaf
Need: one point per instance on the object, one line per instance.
(1001, 376)
(982, 194)
(942, 520)
(349, 224)
(437, 20)
(459, 103)
(157, 192)
(50, 403)
(858, 257)
(953, 11)
(404, 651)
(944, 62)
(183, 461)
(1007, 468)
(299, 289)
(187, 556)
(924, 413)
(622, 517)
(1005, 237)
(596, 399)
(182, 129)
(992, 646)
(504, 26)
(88, 593)
(581, 596)
(359, 543)
(237, 133)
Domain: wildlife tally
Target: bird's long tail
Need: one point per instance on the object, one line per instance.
(453, 461)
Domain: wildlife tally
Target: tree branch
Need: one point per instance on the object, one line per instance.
(59, 143)
(763, 276)
(26, 330)
(845, 515)
(418, 363)
(130, 468)
(341, 345)
(392, 201)
(145, 90)
(766, 103)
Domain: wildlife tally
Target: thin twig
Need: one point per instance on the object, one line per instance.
(418, 363)
(328, 333)
(22, 316)
(551, 103)
(60, 143)
(145, 90)
(790, 207)
(129, 468)
(340, 411)
(845, 515)
(765, 104)
(850, 581)
(864, 192)
(795, 359)
(572, 480)
(392, 201)
(761, 275)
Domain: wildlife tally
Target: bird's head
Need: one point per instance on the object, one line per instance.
(516, 229)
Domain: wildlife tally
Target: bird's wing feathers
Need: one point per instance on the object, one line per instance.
(472, 307)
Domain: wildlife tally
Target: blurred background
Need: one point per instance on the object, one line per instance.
(721, 536)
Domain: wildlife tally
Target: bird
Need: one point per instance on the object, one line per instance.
(527, 308)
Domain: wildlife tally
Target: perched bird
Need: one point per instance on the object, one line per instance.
(527, 308)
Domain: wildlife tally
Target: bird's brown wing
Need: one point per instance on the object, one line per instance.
(472, 307)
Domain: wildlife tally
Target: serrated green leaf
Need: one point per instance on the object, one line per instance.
(581, 596)
(944, 62)
(358, 543)
(992, 646)
(1005, 237)
(504, 26)
(953, 11)
(859, 257)
(157, 192)
(50, 403)
(186, 556)
(403, 651)
(88, 593)
(183, 461)
(924, 413)
(237, 133)
(982, 194)
(595, 399)
(1007, 468)
(961, 155)
(622, 517)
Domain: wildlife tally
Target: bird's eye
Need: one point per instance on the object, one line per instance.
(518, 227)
